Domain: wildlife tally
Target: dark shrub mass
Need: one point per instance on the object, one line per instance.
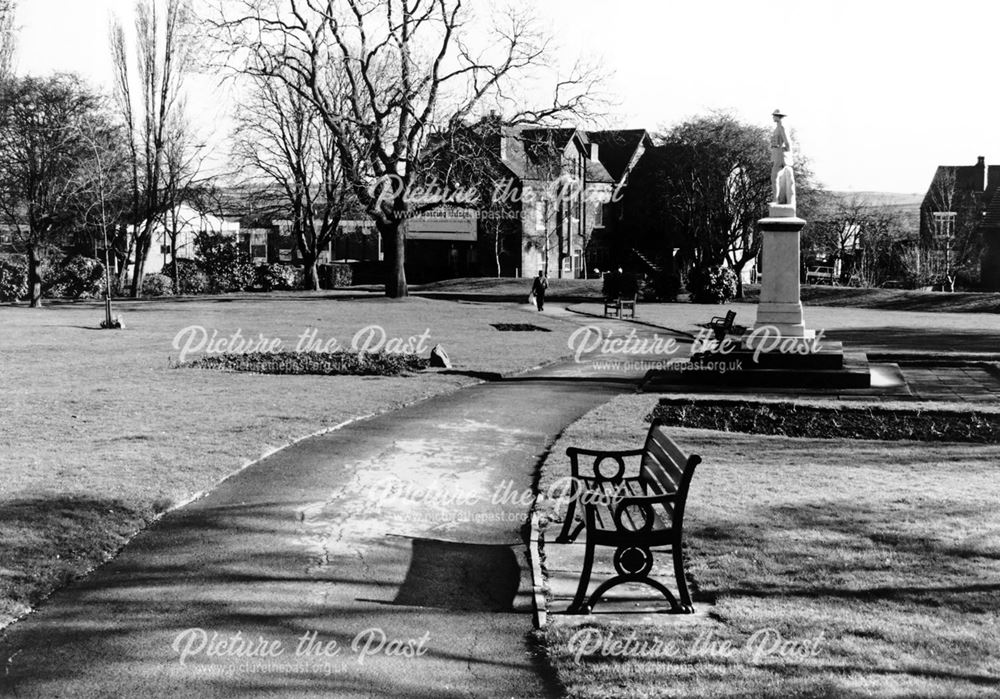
(326, 363)
(850, 422)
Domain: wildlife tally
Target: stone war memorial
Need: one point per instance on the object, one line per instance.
(779, 350)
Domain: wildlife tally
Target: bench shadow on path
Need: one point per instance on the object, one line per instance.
(460, 576)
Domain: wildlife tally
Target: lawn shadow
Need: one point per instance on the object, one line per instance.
(926, 570)
(928, 339)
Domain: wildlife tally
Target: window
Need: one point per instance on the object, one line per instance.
(944, 224)
(598, 215)
(539, 216)
(567, 264)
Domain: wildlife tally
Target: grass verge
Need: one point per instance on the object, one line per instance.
(99, 434)
(878, 560)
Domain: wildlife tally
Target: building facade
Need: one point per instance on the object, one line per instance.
(960, 220)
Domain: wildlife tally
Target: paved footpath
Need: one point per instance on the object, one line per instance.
(384, 559)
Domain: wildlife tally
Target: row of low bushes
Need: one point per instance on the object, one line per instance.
(74, 277)
(715, 284)
(221, 266)
(81, 277)
(262, 277)
(849, 422)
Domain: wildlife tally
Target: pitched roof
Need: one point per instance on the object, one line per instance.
(956, 179)
(616, 148)
(533, 153)
(992, 217)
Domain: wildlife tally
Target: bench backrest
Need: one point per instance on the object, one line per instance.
(666, 466)
(730, 318)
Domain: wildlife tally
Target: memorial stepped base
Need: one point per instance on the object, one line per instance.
(829, 368)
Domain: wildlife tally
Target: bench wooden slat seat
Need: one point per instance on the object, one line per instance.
(820, 275)
(620, 306)
(633, 514)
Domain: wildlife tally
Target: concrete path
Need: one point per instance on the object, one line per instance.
(385, 559)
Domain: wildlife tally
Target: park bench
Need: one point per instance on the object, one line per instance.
(620, 306)
(821, 275)
(632, 514)
(722, 326)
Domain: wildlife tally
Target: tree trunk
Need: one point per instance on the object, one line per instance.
(123, 270)
(141, 253)
(173, 266)
(34, 280)
(394, 243)
(310, 273)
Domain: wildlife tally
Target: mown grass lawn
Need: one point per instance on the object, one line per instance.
(884, 555)
(99, 433)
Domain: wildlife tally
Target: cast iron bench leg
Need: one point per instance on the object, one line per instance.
(581, 591)
(682, 588)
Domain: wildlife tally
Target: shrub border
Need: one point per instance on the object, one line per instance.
(832, 421)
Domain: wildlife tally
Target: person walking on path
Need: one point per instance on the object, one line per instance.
(538, 289)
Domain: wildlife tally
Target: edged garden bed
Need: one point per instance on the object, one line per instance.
(323, 363)
(790, 419)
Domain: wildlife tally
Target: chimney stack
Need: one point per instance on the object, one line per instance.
(981, 168)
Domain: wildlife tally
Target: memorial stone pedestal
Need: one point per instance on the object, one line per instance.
(780, 306)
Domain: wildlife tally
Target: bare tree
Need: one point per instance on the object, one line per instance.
(104, 188)
(183, 182)
(150, 103)
(285, 145)
(8, 37)
(405, 68)
(42, 151)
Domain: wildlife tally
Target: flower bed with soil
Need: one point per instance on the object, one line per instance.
(790, 419)
(324, 363)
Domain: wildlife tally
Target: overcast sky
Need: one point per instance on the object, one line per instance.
(878, 92)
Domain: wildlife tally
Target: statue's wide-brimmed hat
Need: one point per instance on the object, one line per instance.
(777, 113)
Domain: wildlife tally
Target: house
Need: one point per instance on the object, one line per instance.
(563, 189)
(990, 229)
(955, 220)
(559, 195)
(179, 227)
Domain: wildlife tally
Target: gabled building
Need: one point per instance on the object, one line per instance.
(563, 189)
(554, 204)
(953, 217)
(990, 228)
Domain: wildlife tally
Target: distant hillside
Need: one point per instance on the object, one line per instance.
(884, 198)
